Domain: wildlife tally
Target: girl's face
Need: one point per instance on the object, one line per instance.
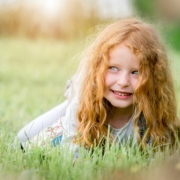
(121, 78)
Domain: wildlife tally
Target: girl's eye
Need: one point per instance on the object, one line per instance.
(113, 68)
(135, 72)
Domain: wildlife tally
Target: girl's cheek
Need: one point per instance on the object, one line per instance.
(108, 79)
(134, 80)
(136, 83)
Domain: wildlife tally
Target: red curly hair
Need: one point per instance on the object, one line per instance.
(155, 95)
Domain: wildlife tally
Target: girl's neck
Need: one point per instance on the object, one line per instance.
(120, 116)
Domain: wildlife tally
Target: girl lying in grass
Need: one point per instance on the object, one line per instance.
(124, 83)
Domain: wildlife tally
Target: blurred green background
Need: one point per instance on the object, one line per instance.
(41, 44)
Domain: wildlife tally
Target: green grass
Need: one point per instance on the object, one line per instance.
(32, 80)
(33, 76)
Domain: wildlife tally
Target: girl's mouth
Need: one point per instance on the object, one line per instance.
(119, 93)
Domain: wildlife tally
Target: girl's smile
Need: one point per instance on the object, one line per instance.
(121, 78)
(121, 94)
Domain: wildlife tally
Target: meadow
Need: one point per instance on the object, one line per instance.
(33, 74)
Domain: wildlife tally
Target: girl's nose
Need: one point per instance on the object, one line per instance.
(123, 80)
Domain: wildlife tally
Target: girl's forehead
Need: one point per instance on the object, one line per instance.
(123, 54)
(133, 49)
(122, 49)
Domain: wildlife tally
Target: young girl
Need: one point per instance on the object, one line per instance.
(123, 82)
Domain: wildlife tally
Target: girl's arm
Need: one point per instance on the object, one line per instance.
(70, 121)
(41, 122)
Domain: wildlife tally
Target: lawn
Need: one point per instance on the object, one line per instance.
(33, 74)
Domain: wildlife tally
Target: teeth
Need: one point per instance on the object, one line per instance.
(122, 94)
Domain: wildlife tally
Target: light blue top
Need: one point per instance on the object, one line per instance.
(124, 133)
